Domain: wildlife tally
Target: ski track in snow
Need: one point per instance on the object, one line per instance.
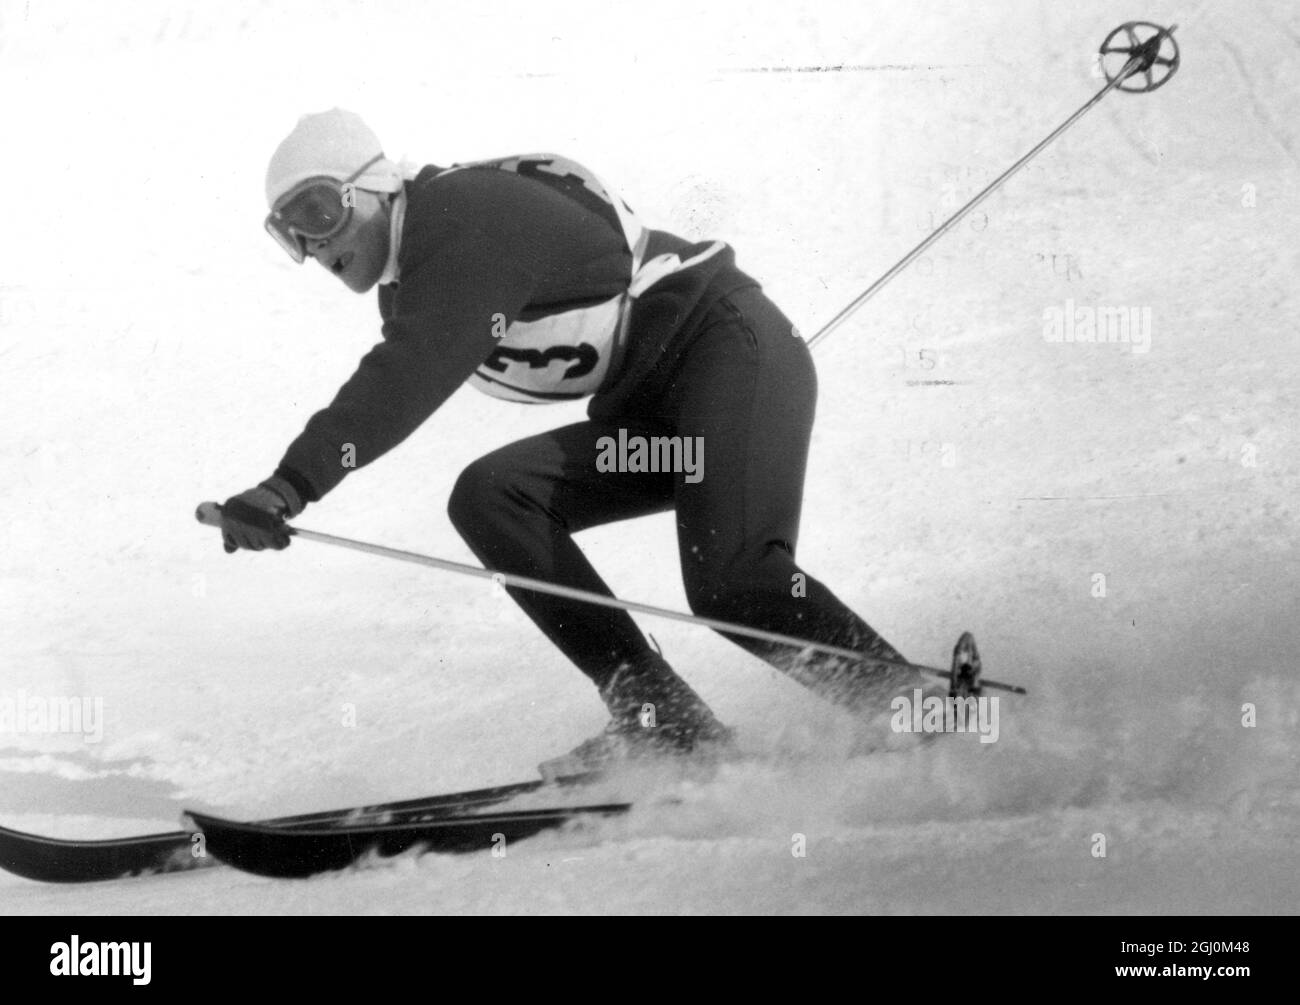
(173, 363)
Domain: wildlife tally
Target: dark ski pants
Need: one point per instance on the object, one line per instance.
(746, 388)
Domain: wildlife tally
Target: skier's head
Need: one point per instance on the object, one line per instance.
(328, 188)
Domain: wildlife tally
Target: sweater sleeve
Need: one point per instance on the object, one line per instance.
(440, 330)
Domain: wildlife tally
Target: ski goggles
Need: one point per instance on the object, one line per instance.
(313, 210)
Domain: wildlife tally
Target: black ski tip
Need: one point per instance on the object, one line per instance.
(298, 852)
(265, 852)
(60, 860)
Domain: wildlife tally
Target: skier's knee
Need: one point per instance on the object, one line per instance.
(746, 587)
(476, 494)
(725, 600)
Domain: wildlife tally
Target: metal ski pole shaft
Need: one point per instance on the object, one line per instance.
(209, 513)
(1144, 56)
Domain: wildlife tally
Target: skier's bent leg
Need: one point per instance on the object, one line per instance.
(747, 390)
(517, 509)
(774, 594)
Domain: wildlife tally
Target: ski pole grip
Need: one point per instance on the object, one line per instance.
(208, 513)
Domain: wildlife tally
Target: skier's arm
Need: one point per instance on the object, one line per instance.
(440, 330)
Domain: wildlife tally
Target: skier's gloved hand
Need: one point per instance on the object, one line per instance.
(255, 518)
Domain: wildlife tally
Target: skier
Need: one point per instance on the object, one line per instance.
(531, 279)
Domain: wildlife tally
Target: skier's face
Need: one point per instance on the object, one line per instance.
(358, 253)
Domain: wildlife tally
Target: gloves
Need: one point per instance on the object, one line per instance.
(255, 519)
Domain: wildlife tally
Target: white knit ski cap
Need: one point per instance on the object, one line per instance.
(334, 144)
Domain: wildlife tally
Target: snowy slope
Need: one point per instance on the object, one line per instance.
(158, 349)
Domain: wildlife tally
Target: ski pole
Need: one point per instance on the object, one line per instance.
(209, 513)
(1144, 56)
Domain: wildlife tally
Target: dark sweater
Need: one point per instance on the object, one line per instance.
(482, 247)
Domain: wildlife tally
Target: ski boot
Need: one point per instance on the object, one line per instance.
(653, 714)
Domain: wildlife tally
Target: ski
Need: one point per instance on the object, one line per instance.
(60, 860)
(57, 860)
(298, 852)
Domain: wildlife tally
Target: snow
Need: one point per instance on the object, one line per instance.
(159, 350)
